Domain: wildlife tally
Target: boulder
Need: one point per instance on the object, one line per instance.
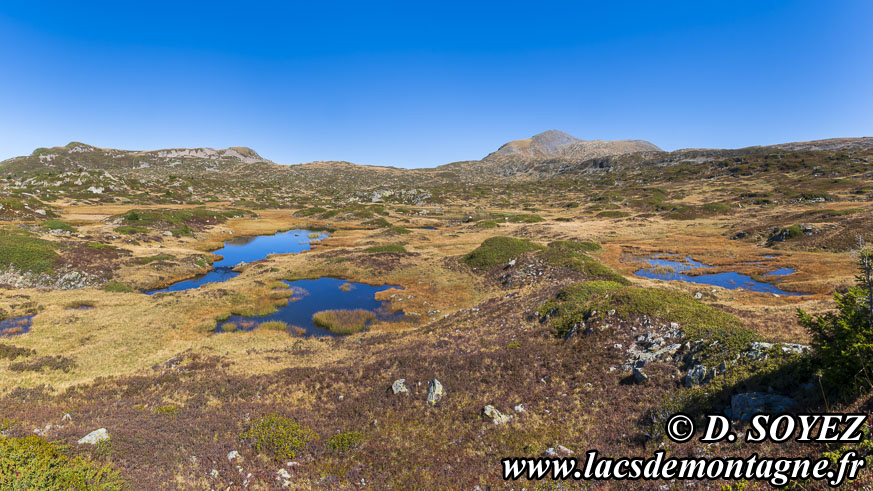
(695, 376)
(435, 392)
(399, 386)
(640, 377)
(494, 415)
(95, 437)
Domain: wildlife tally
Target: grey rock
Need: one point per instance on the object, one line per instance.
(435, 392)
(95, 437)
(640, 377)
(399, 386)
(695, 376)
(494, 415)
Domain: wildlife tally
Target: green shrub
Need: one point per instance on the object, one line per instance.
(498, 250)
(487, 224)
(27, 253)
(99, 246)
(843, 341)
(568, 254)
(398, 231)
(57, 225)
(33, 463)
(117, 287)
(586, 246)
(396, 248)
(156, 257)
(343, 321)
(131, 230)
(378, 222)
(343, 442)
(613, 214)
(168, 409)
(526, 218)
(278, 437)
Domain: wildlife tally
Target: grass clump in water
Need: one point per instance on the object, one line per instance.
(498, 250)
(395, 248)
(278, 437)
(34, 463)
(274, 325)
(343, 321)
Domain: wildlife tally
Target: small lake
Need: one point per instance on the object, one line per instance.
(247, 249)
(317, 295)
(15, 326)
(660, 270)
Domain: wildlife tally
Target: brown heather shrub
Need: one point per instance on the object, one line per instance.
(12, 352)
(343, 321)
(57, 362)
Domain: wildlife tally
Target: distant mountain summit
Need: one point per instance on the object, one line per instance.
(554, 143)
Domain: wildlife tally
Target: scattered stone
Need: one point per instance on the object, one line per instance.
(640, 377)
(496, 416)
(399, 386)
(695, 376)
(698, 295)
(435, 392)
(233, 454)
(67, 417)
(283, 477)
(95, 437)
(519, 408)
(558, 451)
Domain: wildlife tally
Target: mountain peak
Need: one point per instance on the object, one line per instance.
(556, 143)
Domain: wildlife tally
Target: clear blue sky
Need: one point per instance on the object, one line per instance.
(418, 84)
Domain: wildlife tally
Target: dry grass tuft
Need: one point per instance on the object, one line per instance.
(343, 321)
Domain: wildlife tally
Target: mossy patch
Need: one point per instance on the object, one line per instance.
(395, 248)
(498, 250)
(27, 253)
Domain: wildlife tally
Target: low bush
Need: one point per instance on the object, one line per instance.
(525, 218)
(498, 250)
(487, 224)
(396, 248)
(156, 257)
(613, 214)
(10, 352)
(34, 463)
(27, 253)
(278, 437)
(56, 362)
(117, 287)
(345, 441)
(567, 254)
(343, 321)
(57, 225)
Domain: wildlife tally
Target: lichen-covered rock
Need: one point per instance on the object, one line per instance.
(95, 437)
(435, 392)
(496, 417)
(399, 386)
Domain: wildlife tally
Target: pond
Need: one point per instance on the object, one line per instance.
(672, 270)
(247, 249)
(320, 294)
(15, 326)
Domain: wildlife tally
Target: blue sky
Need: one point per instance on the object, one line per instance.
(418, 84)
